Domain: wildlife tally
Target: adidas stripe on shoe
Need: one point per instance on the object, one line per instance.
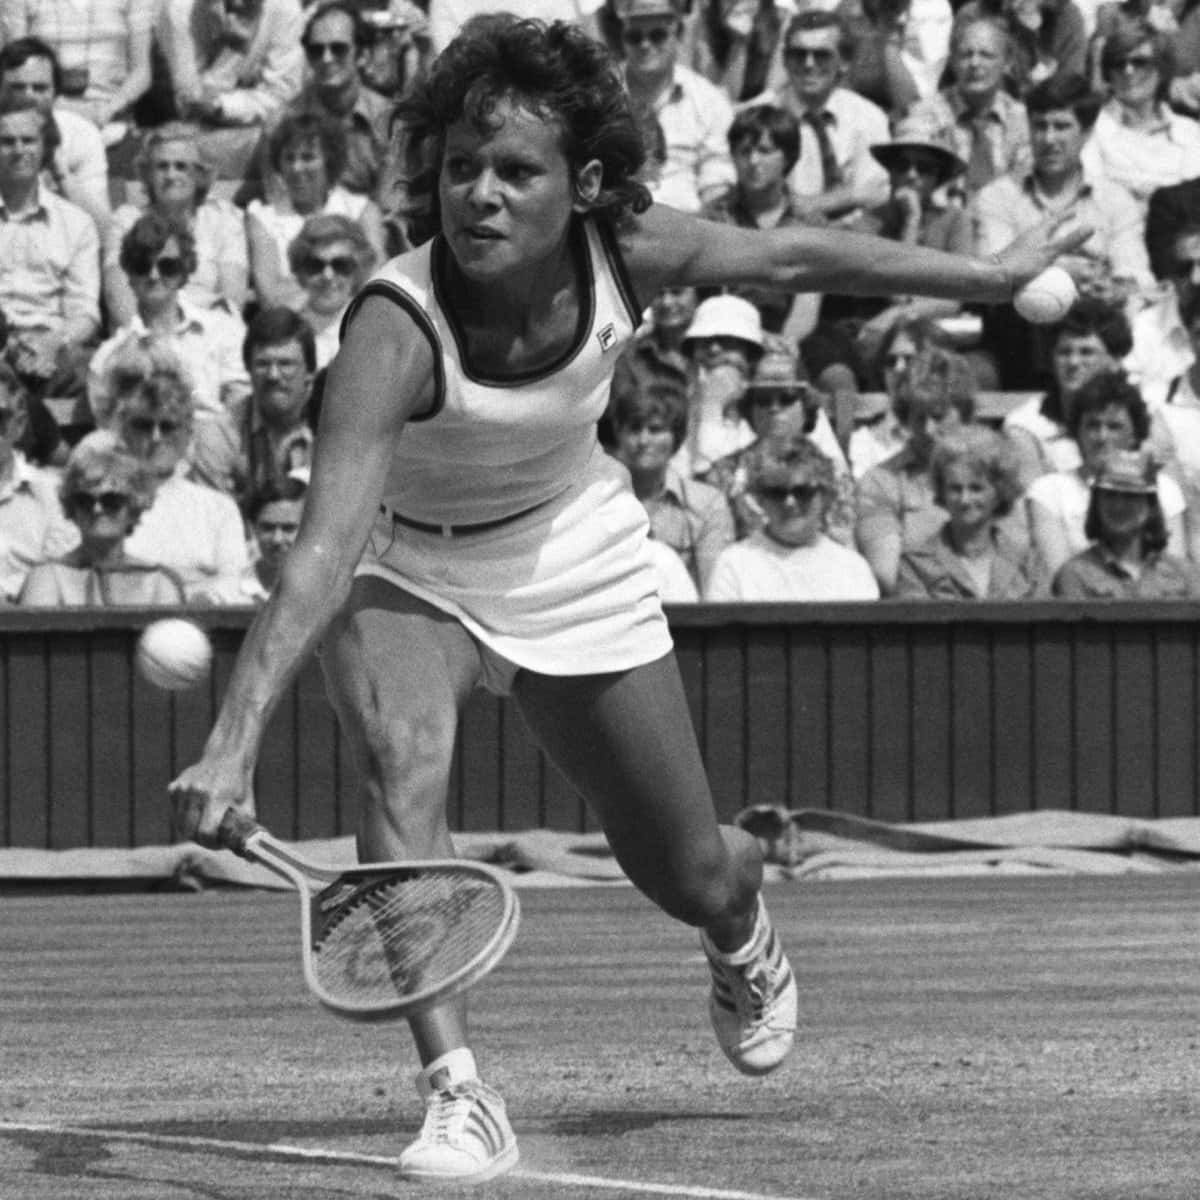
(465, 1137)
(753, 1000)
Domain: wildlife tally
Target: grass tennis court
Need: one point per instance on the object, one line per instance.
(966, 1038)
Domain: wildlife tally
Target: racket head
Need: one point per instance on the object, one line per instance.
(385, 940)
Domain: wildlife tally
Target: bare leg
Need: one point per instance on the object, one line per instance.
(626, 742)
(398, 672)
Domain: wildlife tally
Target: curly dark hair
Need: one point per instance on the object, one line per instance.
(309, 125)
(1110, 389)
(556, 71)
(149, 234)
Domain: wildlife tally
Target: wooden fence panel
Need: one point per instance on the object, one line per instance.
(896, 711)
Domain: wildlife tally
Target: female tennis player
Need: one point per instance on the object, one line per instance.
(464, 528)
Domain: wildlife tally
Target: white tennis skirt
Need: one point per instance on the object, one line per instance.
(568, 589)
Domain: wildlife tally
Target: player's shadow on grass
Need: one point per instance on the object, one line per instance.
(616, 1122)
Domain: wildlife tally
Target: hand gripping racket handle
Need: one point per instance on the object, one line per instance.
(235, 830)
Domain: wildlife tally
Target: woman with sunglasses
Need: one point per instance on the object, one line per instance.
(1139, 140)
(189, 528)
(177, 176)
(779, 391)
(464, 528)
(158, 256)
(331, 258)
(308, 152)
(104, 491)
(790, 557)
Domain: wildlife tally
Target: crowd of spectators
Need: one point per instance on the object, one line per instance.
(192, 191)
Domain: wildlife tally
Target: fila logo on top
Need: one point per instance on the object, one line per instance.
(607, 337)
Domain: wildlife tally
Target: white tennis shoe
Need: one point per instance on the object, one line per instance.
(465, 1138)
(753, 1000)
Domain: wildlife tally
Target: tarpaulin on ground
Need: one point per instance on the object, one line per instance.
(800, 844)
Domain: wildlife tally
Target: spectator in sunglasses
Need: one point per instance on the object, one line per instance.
(336, 43)
(791, 557)
(920, 163)
(331, 258)
(194, 530)
(33, 528)
(309, 150)
(158, 256)
(105, 490)
(177, 175)
(232, 66)
(692, 112)
(1139, 140)
(835, 174)
(779, 395)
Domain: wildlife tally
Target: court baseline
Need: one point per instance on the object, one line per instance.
(317, 1154)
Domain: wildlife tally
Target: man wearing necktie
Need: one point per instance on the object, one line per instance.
(836, 174)
(989, 128)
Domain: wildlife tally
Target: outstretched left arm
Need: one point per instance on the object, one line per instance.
(664, 246)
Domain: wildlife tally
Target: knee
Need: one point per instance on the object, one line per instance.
(711, 887)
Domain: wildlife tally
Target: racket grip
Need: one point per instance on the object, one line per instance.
(235, 829)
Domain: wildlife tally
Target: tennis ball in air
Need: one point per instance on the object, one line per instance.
(1046, 297)
(174, 654)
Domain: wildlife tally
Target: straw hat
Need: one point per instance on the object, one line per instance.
(918, 134)
(1128, 471)
(628, 10)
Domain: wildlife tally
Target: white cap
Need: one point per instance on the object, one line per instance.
(726, 316)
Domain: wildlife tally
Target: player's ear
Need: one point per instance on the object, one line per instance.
(588, 181)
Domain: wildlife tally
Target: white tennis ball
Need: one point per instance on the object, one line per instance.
(1046, 297)
(174, 654)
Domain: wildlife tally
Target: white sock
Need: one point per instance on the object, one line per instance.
(455, 1066)
(753, 945)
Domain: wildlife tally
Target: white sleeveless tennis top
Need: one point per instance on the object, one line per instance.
(491, 447)
(568, 586)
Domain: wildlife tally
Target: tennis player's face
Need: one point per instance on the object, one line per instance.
(506, 194)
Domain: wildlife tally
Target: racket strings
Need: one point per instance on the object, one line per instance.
(403, 937)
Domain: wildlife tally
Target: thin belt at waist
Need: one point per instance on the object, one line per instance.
(452, 531)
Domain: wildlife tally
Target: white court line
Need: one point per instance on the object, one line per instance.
(311, 1154)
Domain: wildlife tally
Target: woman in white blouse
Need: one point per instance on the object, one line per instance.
(307, 150)
(1138, 140)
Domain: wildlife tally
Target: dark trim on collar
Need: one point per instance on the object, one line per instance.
(395, 293)
(582, 259)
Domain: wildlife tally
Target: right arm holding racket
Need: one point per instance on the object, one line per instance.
(382, 939)
(376, 382)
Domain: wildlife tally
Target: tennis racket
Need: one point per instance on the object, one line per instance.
(387, 939)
